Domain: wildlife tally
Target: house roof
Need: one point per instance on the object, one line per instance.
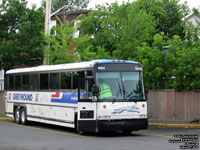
(76, 13)
(188, 16)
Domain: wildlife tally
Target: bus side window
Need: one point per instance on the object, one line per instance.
(89, 72)
(26, 82)
(10, 82)
(34, 82)
(44, 82)
(54, 81)
(76, 76)
(66, 80)
(18, 80)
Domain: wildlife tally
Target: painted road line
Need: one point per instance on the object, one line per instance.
(6, 118)
(152, 134)
(45, 130)
(175, 125)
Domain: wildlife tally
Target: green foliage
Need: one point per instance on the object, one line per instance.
(63, 47)
(81, 4)
(139, 31)
(20, 37)
(157, 64)
(168, 14)
(187, 73)
(118, 29)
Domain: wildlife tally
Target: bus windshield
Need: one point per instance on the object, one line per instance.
(120, 85)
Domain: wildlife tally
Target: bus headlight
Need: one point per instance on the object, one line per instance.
(103, 117)
(142, 116)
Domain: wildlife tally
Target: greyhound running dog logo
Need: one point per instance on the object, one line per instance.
(128, 109)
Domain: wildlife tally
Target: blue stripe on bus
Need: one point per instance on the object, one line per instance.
(71, 98)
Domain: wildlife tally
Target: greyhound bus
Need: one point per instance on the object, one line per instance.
(98, 95)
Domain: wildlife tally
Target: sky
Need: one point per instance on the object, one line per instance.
(191, 3)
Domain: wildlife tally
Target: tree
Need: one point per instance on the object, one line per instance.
(157, 64)
(20, 34)
(118, 30)
(63, 47)
(168, 14)
(80, 4)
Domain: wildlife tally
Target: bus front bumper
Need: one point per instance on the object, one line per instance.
(120, 125)
(113, 125)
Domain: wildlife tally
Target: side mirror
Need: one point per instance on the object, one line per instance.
(95, 90)
(94, 98)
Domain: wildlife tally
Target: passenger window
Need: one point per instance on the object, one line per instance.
(54, 81)
(89, 72)
(11, 82)
(44, 81)
(25, 82)
(66, 80)
(18, 80)
(34, 82)
(76, 76)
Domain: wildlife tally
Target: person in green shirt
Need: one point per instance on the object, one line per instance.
(105, 91)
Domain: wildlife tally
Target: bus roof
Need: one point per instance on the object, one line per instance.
(67, 66)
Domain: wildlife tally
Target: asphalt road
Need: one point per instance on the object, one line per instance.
(37, 136)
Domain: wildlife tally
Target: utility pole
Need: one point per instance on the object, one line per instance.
(46, 30)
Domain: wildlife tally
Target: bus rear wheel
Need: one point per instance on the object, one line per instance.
(17, 116)
(23, 116)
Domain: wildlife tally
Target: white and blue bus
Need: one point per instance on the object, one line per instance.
(98, 95)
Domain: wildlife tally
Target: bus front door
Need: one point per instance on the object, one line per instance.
(86, 118)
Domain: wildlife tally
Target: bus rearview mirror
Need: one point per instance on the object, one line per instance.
(95, 90)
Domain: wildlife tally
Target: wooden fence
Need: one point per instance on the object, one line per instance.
(171, 105)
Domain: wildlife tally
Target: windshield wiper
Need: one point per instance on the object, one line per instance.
(120, 89)
(130, 97)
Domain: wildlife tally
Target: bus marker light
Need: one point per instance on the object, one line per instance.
(104, 106)
(143, 105)
(113, 60)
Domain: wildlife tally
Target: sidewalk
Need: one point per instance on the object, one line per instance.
(173, 124)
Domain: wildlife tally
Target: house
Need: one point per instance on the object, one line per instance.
(192, 18)
(68, 16)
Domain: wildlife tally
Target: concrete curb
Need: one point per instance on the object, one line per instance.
(6, 118)
(174, 125)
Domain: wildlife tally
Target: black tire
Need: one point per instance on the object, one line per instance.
(17, 116)
(23, 116)
(82, 132)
